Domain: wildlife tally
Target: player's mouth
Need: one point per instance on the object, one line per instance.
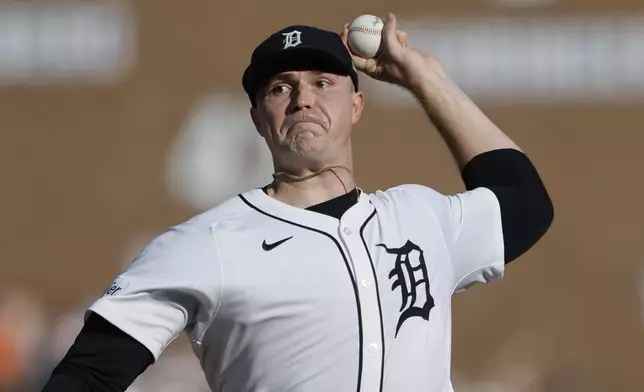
(305, 118)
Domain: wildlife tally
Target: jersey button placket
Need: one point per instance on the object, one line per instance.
(372, 361)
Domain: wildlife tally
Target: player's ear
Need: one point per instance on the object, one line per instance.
(357, 106)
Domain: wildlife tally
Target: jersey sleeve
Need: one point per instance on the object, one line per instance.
(172, 285)
(473, 232)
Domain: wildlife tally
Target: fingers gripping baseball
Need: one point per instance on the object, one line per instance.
(364, 64)
(370, 43)
(392, 58)
(376, 50)
(390, 41)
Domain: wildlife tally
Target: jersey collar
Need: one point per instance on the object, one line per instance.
(353, 217)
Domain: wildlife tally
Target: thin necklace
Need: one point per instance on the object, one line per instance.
(293, 178)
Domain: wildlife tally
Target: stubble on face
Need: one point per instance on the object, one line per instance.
(306, 138)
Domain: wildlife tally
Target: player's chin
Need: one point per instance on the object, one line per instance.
(307, 144)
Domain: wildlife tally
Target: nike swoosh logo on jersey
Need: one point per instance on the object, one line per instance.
(274, 245)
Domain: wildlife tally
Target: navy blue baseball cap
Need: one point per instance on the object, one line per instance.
(298, 48)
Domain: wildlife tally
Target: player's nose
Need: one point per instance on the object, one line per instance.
(302, 97)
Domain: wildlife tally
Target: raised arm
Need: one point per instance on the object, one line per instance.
(509, 188)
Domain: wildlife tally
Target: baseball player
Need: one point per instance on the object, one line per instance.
(309, 283)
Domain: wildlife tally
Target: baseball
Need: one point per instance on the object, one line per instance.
(364, 35)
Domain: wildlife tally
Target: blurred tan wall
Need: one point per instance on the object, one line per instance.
(82, 171)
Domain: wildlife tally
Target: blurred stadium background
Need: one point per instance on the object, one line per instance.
(120, 118)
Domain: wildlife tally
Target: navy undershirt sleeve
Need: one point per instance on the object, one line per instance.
(102, 359)
(526, 208)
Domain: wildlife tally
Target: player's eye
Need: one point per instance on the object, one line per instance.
(279, 88)
(323, 83)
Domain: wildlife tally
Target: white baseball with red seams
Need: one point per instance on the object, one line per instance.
(364, 36)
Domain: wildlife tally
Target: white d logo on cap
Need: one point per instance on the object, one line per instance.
(292, 39)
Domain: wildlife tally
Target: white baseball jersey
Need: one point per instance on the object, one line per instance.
(279, 298)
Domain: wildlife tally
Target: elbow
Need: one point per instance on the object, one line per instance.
(542, 215)
(527, 211)
(548, 212)
(526, 215)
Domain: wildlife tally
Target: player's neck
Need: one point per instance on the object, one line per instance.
(324, 186)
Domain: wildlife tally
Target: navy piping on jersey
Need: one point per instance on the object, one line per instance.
(375, 277)
(346, 263)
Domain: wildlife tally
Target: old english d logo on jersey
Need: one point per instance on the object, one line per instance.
(410, 276)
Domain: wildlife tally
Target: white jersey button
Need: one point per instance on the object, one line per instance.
(347, 231)
(373, 347)
(365, 283)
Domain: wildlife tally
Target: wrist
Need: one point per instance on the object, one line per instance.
(426, 77)
(430, 85)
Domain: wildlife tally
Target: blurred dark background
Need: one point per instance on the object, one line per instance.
(120, 118)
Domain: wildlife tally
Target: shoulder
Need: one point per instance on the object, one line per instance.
(194, 238)
(410, 195)
(431, 198)
(446, 209)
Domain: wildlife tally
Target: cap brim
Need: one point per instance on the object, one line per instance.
(301, 58)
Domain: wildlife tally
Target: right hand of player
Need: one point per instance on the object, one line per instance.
(397, 61)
